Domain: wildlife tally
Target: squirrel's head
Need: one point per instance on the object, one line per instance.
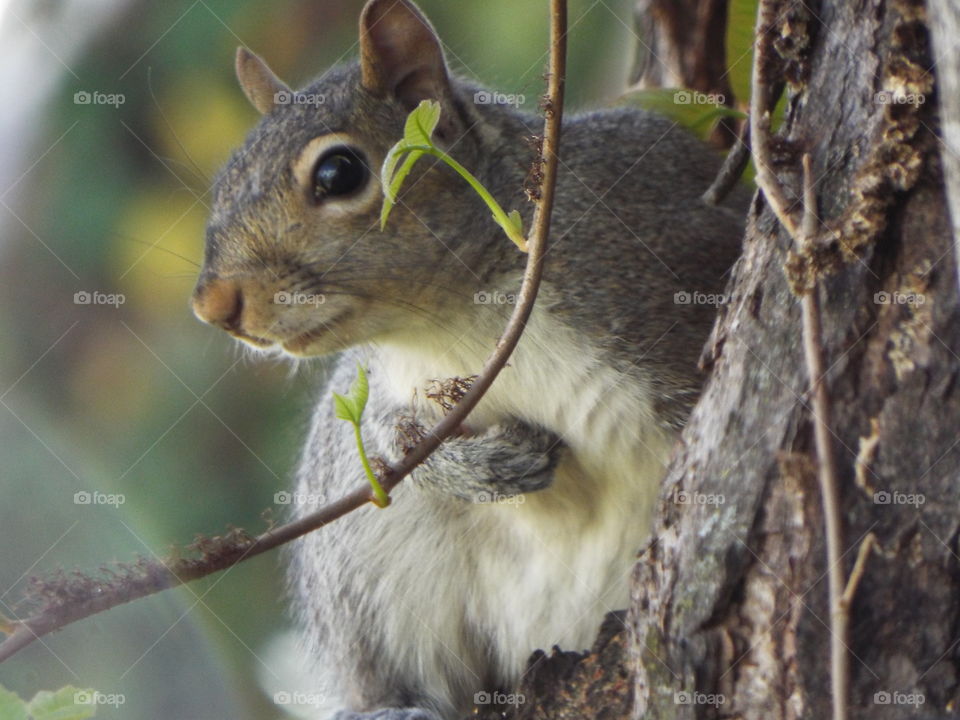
(295, 258)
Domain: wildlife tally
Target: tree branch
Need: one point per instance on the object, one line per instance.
(826, 462)
(761, 105)
(63, 599)
(761, 102)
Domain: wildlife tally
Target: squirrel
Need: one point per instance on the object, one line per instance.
(520, 532)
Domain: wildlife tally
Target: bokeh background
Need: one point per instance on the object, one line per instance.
(137, 399)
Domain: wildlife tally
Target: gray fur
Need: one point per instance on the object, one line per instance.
(520, 533)
(494, 465)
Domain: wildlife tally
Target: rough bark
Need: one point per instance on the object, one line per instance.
(730, 602)
(682, 44)
(729, 616)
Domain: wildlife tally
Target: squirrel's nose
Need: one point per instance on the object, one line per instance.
(219, 301)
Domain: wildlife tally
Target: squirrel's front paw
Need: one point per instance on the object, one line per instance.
(388, 714)
(503, 460)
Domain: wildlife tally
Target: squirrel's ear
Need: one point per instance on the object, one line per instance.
(400, 53)
(259, 83)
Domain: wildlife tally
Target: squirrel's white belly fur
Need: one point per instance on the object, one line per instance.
(548, 565)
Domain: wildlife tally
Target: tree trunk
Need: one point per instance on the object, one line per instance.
(682, 45)
(729, 616)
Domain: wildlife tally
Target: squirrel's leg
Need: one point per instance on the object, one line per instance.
(506, 459)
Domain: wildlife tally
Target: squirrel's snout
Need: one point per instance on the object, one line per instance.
(219, 302)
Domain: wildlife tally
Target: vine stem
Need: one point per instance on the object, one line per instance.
(162, 575)
(840, 593)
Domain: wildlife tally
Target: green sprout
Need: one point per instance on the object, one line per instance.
(416, 142)
(67, 703)
(350, 407)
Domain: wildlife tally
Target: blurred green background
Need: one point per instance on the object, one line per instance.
(140, 399)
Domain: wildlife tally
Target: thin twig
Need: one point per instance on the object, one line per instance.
(856, 574)
(154, 577)
(826, 460)
(761, 104)
(761, 101)
(732, 169)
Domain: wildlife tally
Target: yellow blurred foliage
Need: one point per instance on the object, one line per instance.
(160, 233)
(157, 250)
(208, 117)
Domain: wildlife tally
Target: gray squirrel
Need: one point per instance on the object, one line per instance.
(520, 532)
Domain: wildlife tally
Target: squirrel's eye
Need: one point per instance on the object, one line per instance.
(339, 172)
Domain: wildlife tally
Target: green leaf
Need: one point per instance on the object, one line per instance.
(418, 141)
(417, 134)
(392, 183)
(11, 706)
(343, 408)
(418, 130)
(63, 704)
(350, 407)
(693, 110)
(707, 117)
(513, 227)
(360, 390)
(741, 20)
